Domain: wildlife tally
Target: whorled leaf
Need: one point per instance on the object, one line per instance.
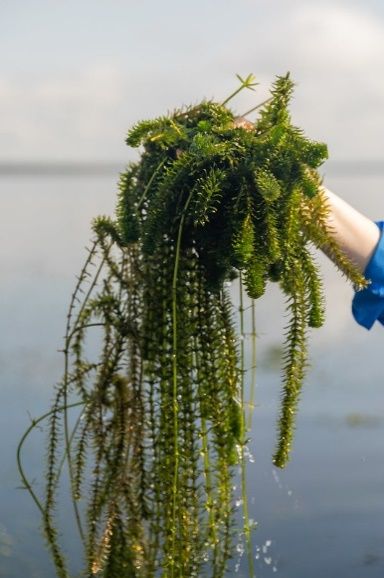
(153, 453)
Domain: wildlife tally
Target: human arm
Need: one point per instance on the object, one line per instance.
(362, 241)
(356, 235)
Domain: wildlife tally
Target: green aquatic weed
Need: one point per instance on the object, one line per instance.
(152, 454)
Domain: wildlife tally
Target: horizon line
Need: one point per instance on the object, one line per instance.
(352, 167)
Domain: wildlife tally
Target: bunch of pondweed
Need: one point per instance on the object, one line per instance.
(162, 423)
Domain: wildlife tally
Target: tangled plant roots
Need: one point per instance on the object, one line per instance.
(162, 409)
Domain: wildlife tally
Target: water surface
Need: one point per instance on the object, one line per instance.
(324, 514)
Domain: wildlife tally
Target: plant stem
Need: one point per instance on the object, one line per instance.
(34, 424)
(148, 186)
(256, 107)
(253, 367)
(244, 497)
(245, 83)
(174, 375)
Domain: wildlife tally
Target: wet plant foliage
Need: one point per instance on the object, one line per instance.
(160, 427)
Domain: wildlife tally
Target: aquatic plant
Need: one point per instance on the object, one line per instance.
(161, 426)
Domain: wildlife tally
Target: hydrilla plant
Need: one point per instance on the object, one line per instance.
(161, 423)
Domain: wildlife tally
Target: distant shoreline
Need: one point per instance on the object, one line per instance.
(62, 169)
(350, 167)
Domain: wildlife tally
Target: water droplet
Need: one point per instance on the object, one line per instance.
(268, 543)
(277, 479)
(248, 455)
(267, 560)
(289, 492)
(274, 569)
(238, 503)
(240, 548)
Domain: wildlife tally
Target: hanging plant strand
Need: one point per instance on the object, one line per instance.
(152, 454)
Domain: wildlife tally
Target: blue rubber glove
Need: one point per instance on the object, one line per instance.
(368, 304)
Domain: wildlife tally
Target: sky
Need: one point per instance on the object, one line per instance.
(76, 74)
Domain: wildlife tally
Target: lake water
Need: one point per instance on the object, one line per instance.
(324, 514)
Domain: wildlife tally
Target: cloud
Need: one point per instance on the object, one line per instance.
(345, 47)
(61, 116)
(334, 35)
(335, 52)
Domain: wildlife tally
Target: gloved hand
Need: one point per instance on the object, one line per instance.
(368, 304)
